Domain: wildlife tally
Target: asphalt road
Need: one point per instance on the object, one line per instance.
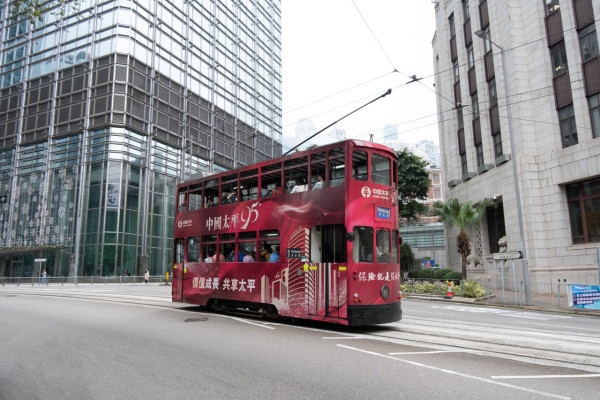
(114, 342)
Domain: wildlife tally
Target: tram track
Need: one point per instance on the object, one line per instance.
(546, 347)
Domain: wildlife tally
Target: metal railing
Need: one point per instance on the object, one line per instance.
(81, 280)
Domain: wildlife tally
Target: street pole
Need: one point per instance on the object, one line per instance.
(525, 264)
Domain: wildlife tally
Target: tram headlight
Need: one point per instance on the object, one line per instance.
(385, 292)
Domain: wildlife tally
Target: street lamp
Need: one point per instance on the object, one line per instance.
(484, 35)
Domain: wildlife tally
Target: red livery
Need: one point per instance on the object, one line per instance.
(310, 235)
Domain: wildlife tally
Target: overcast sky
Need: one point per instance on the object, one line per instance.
(340, 54)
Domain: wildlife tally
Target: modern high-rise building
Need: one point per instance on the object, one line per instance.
(105, 109)
(519, 122)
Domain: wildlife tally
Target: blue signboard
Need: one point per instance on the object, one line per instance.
(384, 213)
(585, 296)
(428, 263)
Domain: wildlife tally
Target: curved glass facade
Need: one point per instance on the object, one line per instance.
(104, 110)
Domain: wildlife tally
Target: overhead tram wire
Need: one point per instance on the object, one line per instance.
(389, 91)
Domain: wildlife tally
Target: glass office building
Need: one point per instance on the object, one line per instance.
(105, 109)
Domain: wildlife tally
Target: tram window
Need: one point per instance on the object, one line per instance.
(337, 167)
(193, 249)
(209, 247)
(246, 245)
(195, 197)
(380, 170)
(227, 247)
(317, 171)
(383, 245)
(360, 165)
(271, 184)
(269, 240)
(182, 199)
(179, 250)
(229, 188)
(363, 244)
(395, 258)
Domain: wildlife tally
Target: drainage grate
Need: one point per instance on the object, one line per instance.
(196, 319)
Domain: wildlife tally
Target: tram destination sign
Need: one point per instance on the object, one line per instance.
(294, 253)
(509, 255)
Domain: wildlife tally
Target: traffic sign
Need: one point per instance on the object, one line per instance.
(509, 255)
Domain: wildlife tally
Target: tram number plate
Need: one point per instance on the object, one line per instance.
(294, 253)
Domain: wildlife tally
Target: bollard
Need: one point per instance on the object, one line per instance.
(91, 279)
(62, 280)
(488, 290)
(558, 294)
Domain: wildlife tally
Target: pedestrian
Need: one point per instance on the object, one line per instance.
(125, 275)
(147, 277)
(44, 275)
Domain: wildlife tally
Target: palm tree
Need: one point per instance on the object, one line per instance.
(463, 215)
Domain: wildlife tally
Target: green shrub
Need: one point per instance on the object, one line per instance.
(425, 273)
(453, 276)
(440, 273)
(472, 289)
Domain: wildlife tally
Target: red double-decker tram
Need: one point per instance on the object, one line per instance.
(310, 235)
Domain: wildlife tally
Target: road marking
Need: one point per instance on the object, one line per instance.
(342, 337)
(447, 371)
(252, 323)
(427, 352)
(545, 376)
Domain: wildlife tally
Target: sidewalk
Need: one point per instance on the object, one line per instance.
(495, 302)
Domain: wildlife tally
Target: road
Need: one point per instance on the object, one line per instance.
(113, 342)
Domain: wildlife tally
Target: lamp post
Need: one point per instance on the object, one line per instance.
(484, 35)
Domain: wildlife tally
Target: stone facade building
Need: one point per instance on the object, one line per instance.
(519, 90)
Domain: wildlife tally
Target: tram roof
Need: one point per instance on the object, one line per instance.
(360, 143)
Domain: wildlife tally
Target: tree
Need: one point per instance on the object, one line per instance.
(407, 258)
(463, 215)
(35, 9)
(413, 184)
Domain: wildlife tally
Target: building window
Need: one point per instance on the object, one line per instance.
(436, 193)
(559, 58)
(595, 114)
(551, 6)
(459, 117)
(584, 210)
(492, 92)
(588, 42)
(466, 12)
(456, 71)
(487, 41)
(498, 145)
(436, 178)
(470, 56)
(451, 25)
(475, 105)
(479, 151)
(568, 129)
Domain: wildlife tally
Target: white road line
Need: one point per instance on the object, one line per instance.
(545, 394)
(342, 337)
(252, 323)
(427, 352)
(546, 376)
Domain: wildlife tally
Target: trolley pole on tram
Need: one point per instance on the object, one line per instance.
(389, 91)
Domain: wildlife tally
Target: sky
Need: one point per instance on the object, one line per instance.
(340, 54)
